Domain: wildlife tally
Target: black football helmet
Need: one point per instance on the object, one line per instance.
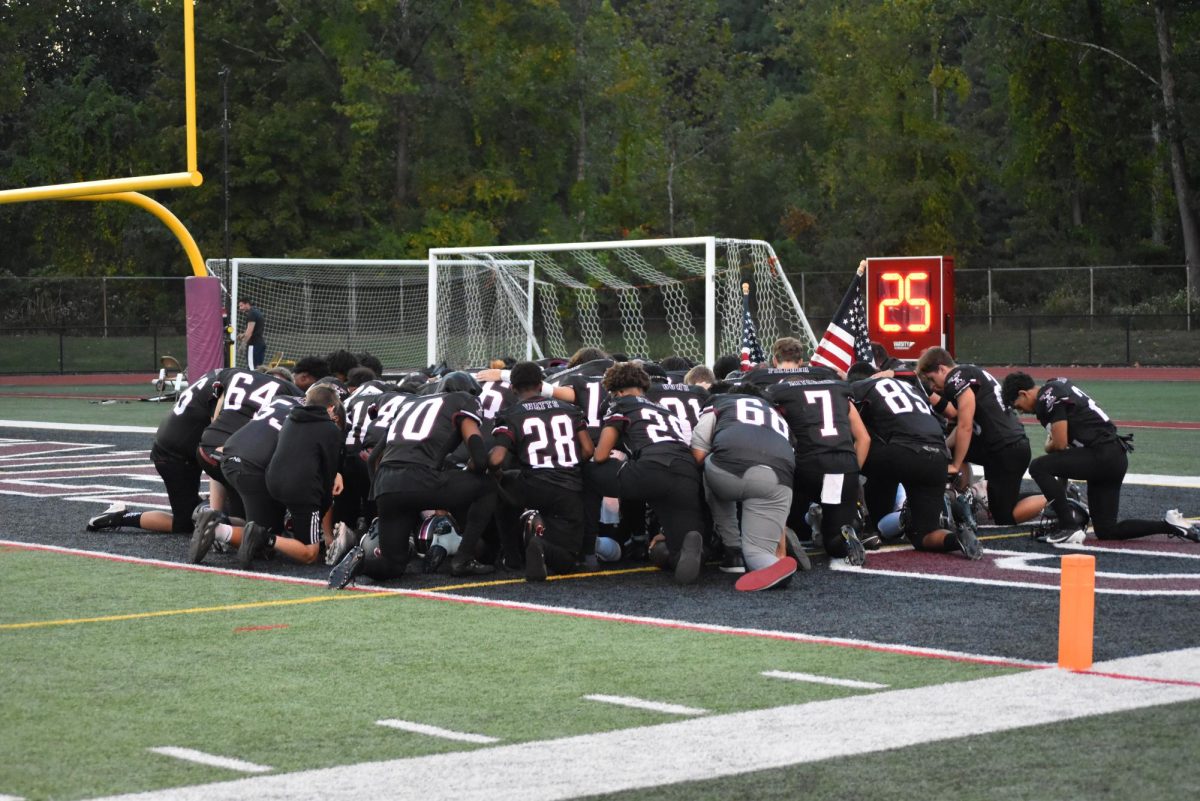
(458, 381)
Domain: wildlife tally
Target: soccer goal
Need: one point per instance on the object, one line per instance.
(384, 307)
(647, 298)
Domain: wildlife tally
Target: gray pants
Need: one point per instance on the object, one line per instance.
(765, 504)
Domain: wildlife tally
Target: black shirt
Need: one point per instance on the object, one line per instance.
(818, 413)
(258, 337)
(1087, 424)
(306, 459)
(254, 443)
(426, 428)
(685, 401)
(993, 427)
(766, 376)
(244, 392)
(590, 397)
(647, 431)
(179, 432)
(894, 412)
(544, 434)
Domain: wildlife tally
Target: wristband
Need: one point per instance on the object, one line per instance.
(505, 375)
(547, 390)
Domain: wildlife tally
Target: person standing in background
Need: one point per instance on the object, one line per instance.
(255, 335)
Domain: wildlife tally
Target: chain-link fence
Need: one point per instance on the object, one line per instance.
(90, 325)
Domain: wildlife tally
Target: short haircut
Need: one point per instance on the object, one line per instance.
(342, 362)
(860, 370)
(368, 360)
(747, 389)
(1013, 384)
(280, 372)
(676, 364)
(699, 375)
(585, 355)
(525, 376)
(313, 365)
(325, 395)
(654, 370)
(360, 375)
(724, 365)
(932, 358)
(626, 375)
(787, 349)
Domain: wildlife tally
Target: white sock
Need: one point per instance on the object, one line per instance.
(224, 533)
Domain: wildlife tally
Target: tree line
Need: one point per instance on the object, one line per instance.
(1005, 132)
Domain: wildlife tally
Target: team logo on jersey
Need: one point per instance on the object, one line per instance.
(958, 381)
(1048, 398)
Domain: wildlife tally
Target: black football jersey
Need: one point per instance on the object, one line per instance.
(648, 431)
(254, 443)
(496, 395)
(590, 397)
(1087, 424)
(243, 393)
(685, 401)
(897, 413)
(748, 432)
(818, 413)
(766, 376)
(425, 428)
(358, 413)
(385, 408)
(544, 435)
(994, 426)
(179, 432)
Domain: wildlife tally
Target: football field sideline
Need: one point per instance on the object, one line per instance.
(706, 748)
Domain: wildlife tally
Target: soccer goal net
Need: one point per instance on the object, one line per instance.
(646, 298)
(382, 307)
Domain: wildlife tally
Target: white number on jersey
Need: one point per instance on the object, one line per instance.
(236, 397)
(901, 398)
(187, 395)
(414, 421)
(823, 398)
(747, 411)
(561, 434)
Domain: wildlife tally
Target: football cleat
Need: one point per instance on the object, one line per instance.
(962, 505)
(969, 542)
(796, 550)
(434, 558)
(778, 574)
(110, 518)
(344, 539)
(535, 560)
(202, 536)
(1183, 529)
(254, 538)
(1064, 536)
(345, 571)
(856, 554)
(200, 507)
(872, 542)
(813, 518)
(732, 561)
(659, 555)
(687, 566)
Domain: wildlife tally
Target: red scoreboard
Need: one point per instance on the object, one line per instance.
(910, 303)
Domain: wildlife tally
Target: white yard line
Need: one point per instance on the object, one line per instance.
(11, 798)
(78, 427)
(707, 748)
(642, 703)
(435, 731)
(201, 758)
(814, 679)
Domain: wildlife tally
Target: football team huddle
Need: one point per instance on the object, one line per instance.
(557, 466)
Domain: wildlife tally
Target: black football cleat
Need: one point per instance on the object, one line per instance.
(732, 561)
(535, 560)
(687, 566)
(203, 536)
(434, 558)
(969, 543)
(345, 571)
(856, 553)
(468, 567)
(254, 539)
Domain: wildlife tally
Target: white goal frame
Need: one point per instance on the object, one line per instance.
(710, 244)
(522, 317)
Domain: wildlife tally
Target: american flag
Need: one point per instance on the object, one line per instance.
(752, 352)
(846, 341)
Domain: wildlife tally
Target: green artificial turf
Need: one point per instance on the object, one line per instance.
(300, 686)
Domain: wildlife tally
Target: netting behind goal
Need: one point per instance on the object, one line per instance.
(316, 306)
(646, 298)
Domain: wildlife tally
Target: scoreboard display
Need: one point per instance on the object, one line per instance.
(910, 303)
